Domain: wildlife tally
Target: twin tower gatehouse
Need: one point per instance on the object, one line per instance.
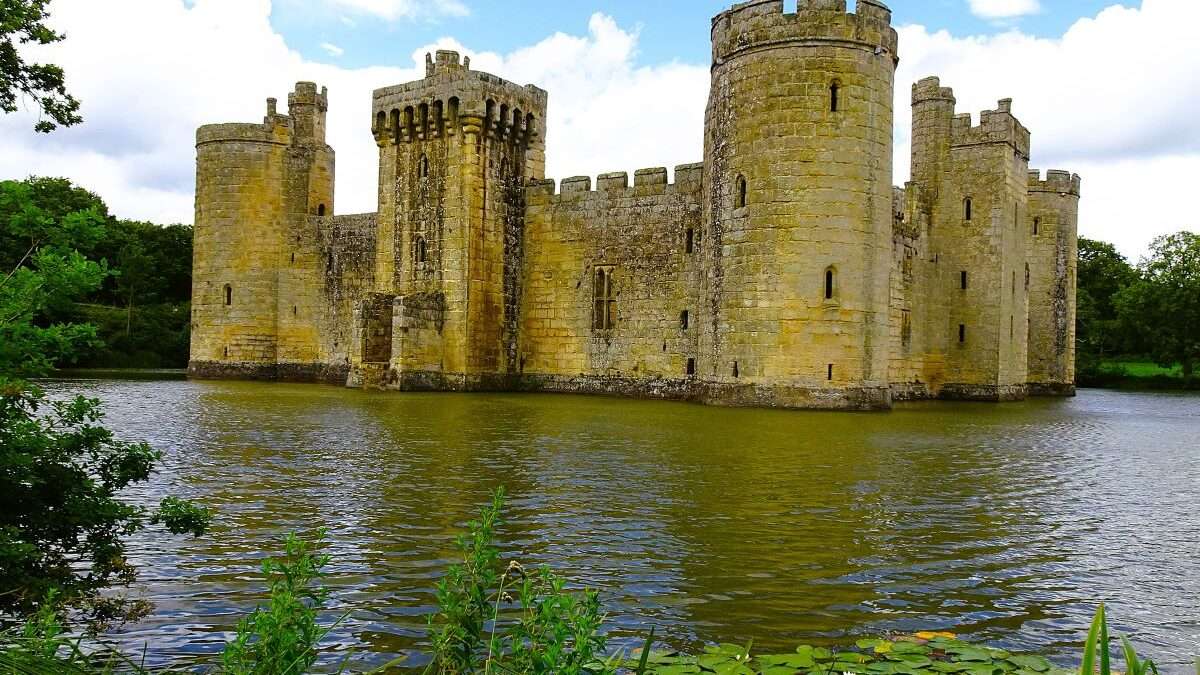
(783, 270)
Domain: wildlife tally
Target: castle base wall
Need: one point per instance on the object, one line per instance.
(310, 373)
(1049, 389)
(992, 393)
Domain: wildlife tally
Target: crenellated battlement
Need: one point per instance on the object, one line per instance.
(452, 99)
(995, 126)
(759, 24)
(1056, 181)
(931, 89)
(645, 182)
(306, 110)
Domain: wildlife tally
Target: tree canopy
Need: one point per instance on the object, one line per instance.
(23, 23)
(1162, 307)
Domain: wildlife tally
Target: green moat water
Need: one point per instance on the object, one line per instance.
(1004, 523)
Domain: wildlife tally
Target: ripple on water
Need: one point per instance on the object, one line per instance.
(1007, 523)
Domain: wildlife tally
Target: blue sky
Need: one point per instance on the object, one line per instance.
(669, 29)
(1108, 88)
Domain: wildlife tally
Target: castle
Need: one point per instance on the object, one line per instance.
(784, 270)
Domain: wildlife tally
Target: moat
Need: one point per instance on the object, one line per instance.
(1005, 523)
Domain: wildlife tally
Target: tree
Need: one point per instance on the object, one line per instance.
(62, 524)
(23, 22)
(1163, 305)
(1102, 273)
(44, 273)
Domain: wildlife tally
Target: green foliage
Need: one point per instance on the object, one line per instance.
(51, 232)
(1096, 651)
(1163, 306)
(1102, 273)
(548, 631)
(23, 22)
(282, 638)
(180, 516)
(62, 525)
(43, 273)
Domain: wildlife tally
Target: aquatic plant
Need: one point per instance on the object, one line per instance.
(511, 621)
(282, 638)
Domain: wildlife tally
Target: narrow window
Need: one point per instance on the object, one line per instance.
(421, 251)
(691, 367)
(321, 210)
(830, 279)
(830, 372)
(228, 295)
(1016, 215)
(604, 306)
(967, 208)
(690, 244)
(834, 90)
(423, 167)
(736, 373)
(1014, 284)
(295, 310)
(740, 202)
(1026, 276)
(963, 280)
(227, 352)
(293, 258)
(683, 319)
(1012, 327)
(906, 328)
(962, 333)
(1037, 225)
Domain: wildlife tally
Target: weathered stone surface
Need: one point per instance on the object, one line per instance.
(784, 270)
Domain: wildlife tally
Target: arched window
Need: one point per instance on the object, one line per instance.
(967, 208)
(228, 295)
(420, 250)
(684, 319)
(830, 283)
(604, 306)
(423, 167)
(834, 92)
(740, 197)
(321, 210)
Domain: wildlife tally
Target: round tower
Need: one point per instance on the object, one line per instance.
(798, 183)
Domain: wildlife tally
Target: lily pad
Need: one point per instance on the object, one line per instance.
(682, 669)
(1030, 662)
(969, 654)
(791, 661)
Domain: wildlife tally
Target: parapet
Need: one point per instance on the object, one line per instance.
(763, 23)
(306, 94)
(452, 96)
(276, 128)
(931, 89)
(1059, 182)
(649, 181)
(996, 126)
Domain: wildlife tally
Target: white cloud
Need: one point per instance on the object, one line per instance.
(396, 9)
(1125, 124)
(1003, 9)
(334, 50)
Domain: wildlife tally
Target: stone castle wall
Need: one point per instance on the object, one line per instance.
(783, 270)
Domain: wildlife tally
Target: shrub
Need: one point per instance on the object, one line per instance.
(547, 631)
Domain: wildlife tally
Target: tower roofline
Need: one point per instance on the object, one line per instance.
(758, 24)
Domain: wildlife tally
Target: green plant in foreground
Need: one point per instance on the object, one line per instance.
(183, 517)
(548, 631)
(1097, 645)
(282, 638)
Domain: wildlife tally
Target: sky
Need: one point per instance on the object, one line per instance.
(1109, 90)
